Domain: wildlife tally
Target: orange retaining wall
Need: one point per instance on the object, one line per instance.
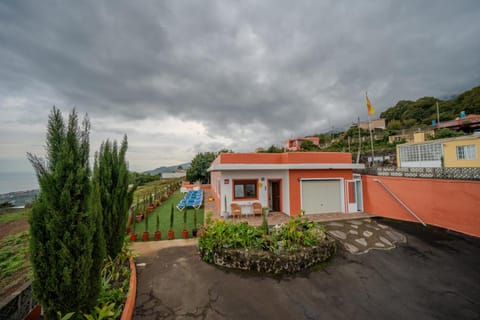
(450, 204)
(129, 307)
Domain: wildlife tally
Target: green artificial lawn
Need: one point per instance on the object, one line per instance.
(164, 212)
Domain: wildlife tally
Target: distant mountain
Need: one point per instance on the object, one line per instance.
(168, 169)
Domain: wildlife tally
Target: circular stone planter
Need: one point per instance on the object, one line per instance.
(275, 263)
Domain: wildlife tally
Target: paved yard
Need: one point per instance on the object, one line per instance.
(435, 274)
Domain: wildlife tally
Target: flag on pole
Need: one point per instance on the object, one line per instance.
(371, 111)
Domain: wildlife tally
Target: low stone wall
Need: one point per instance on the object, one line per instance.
(431, 173)
(268, 262)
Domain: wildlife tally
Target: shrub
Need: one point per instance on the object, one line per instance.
(66, 246)
(296, 233)
(111, 173)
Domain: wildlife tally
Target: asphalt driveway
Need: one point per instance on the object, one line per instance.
(435, 274)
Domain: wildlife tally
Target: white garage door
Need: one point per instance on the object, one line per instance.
(321, 196)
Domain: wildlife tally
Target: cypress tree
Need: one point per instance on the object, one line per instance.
(111, 174)
(64, 257)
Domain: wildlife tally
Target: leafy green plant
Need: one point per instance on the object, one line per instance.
(158, 223)
(171, 217)
(264, 222)
(107, 311)
(291, 236)
(65, 317)
(209, 215)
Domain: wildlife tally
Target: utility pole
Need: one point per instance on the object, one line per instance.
(438, 115)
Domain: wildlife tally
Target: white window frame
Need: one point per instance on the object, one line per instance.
(466, 152)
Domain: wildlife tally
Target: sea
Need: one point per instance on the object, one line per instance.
(17, 181)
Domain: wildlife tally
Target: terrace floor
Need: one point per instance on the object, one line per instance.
(279, 217)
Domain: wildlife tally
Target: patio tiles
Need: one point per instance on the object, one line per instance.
(363, 235)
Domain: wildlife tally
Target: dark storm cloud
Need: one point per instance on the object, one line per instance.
(268, 69)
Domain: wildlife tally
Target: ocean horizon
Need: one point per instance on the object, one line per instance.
(17, 181)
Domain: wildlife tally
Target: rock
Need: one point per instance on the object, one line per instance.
(338, 234)
(335, 224)
(356, 222)
(361, 241)
(276, 263)
(350, 248)
(379, 244)
(367, 234)
(353, 232)
(385, 240)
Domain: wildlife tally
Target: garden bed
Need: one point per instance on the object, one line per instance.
(275, 263)
(294, 246)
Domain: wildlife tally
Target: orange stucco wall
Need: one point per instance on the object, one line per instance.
(450, 204)
(296, 175)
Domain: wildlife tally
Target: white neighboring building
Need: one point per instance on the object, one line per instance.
(170, 175)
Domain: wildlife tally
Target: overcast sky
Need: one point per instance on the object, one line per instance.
(180, 77)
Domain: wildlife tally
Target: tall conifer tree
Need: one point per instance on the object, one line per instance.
(65, 247)
(111, 174)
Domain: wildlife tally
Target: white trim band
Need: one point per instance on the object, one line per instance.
(282, 166)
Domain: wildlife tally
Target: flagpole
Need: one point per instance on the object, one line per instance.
(371, 139)
(370, 129)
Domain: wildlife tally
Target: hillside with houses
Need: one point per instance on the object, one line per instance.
(424, 119)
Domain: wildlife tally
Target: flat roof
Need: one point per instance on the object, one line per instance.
(469, 137)
(284, 161)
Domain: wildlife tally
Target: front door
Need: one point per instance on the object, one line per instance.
(355, 200)
(275, 195)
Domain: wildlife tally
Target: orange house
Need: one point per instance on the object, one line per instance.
(315, 182)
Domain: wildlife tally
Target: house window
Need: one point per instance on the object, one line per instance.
(421, 152)
(244, 189)
(468, 152)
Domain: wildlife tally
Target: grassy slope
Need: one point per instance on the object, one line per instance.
(164, 212)
(150, 187)
(14, 264)
(11, 215)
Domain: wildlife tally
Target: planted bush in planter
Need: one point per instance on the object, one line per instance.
(164, 195)
(146, 235)
(158, 234)
(171, 233)
(133, 234)
(150, 204)
(156, 200)
(185, 231)
(195, 230)
(138, 212)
